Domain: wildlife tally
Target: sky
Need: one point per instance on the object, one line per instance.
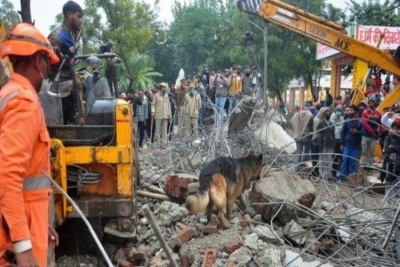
(44, 11)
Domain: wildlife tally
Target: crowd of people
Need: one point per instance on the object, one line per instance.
(340, 138)
(157, 110)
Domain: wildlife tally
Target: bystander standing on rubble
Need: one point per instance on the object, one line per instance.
(246, 83)
(201, 89)
(386, 120)
(314, 142)
(192, 108)
(180, 101)
(326, 140)
(161, 111)
(222, 89)
(212, 88)
(150, 125)
(142, 115)
(350, 138)
(371, 121)
(170, 128)
(392, 161)
(235, 91)
(337, 121)
(302, 125)
(255, 79)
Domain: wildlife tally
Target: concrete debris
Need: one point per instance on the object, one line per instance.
(241, 115)
(271, 256)
(276, 137)
(265, 234)
(240, 257)
(296, 234)
(277, 188)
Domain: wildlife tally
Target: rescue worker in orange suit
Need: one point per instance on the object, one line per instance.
(25, 233)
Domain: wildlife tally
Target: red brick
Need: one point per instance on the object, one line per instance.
(230, 264)
(211, 228)
(245, 221)
(210, 257)
(124, 263)
(176, 186)
(186, 234)
(231, 247)
(141, 253)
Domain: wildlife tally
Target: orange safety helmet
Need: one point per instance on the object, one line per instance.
(25, 40)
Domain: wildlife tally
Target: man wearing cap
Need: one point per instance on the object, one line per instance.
(25, 151)
(161, 112)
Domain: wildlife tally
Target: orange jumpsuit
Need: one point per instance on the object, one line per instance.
(24, 155)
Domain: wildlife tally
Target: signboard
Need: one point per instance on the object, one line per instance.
(371, 34)
(324, 51)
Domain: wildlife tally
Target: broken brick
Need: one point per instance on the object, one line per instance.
(245, 221)
(186, 234)
(178, 187)
(230, 264)
(210, 256)
(211, 228)
(141, 253)
(231, 247)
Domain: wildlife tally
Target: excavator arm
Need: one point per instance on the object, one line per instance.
(325, 32)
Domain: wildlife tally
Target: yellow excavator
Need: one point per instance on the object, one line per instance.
(327, 33)
(93, 160)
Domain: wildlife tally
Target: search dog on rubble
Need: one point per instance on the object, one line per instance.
(222, 181)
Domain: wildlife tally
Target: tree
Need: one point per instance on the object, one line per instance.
(373, 12)
(8, 15)
(129, 25)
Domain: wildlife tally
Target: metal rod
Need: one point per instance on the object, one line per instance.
(391, 228)
(70, 200)
(163, 244)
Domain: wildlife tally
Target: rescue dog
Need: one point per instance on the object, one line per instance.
(222, 181)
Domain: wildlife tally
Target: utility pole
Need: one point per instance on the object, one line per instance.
(265, 63)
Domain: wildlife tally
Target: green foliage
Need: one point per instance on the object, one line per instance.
(8, 15)
(373, 12)
(144, 75)
(129, 25)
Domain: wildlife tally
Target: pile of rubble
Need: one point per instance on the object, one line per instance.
(291, 224)
(289, 221)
